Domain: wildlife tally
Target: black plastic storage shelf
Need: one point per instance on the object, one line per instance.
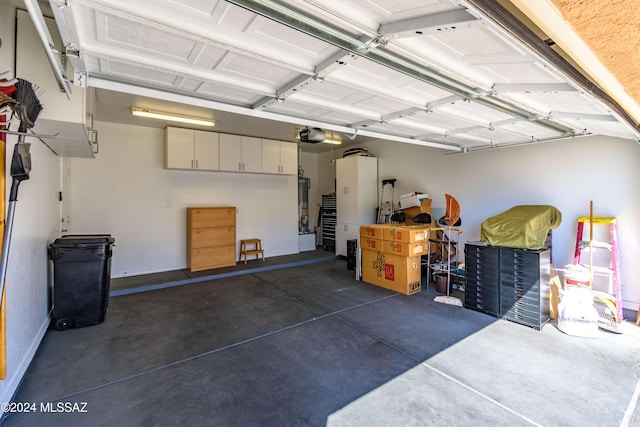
(482, 289)
(524, 286)
(81, 279)
(508, 283)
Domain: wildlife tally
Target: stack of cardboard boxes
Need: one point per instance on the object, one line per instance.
(391, 256)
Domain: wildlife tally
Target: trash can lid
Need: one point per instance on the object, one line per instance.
(84, 239)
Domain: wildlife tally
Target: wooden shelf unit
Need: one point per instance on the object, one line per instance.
(211, 237)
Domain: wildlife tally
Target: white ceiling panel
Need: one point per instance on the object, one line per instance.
(289, 40)
(383, 105)
(473, 112)
(379, 65)
(137, 72)
(610, 128)
(385, 11)
(298, 109)
(519, 72)
(233, 95)
(250, 68)
(205, 7)
(210, 56)
(530, 131)
(473, 45)
(392, 128)
(126, 34)
(438, 121)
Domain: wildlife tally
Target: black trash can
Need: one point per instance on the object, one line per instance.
(81, 277)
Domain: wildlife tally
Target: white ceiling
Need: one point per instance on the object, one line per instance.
(430, 72)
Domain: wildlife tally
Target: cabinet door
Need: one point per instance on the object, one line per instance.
(179, 148)
(368, 185)
(270, 156)
(251, 154)
(347, 190)
(206, 150)
(230, 152)
(288, 158)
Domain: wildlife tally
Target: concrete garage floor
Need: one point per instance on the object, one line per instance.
(304, 344)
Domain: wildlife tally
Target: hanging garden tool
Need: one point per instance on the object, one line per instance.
(27, 110)
(7, 91)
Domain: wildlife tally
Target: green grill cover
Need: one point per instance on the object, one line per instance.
(523, 227)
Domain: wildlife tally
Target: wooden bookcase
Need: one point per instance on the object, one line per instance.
(211, 237)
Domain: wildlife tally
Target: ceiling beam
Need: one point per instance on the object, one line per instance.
(581, 116)
(401, 114)
(444, 101)
(533, 87)
(282, 92)
(411, 27)
(337, 59)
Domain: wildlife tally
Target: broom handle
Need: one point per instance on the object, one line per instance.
(5, 247)
(8, 227)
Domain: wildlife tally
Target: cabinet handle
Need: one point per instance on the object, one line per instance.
(346, 227)
(239, 166)
(94, 141)
(196, 164)
(191, 163)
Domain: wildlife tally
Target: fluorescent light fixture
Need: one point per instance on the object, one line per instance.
(332, 140)
(143, 112)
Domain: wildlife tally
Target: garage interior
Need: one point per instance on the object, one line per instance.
(481, 100)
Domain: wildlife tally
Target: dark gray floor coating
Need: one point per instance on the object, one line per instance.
(311, 346)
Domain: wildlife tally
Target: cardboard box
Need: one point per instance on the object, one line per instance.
(373, 231)
(405, 249)
(397, 273)
(406, 234)
(371, 244)
(412, 199)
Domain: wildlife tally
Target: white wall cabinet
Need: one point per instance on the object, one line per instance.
(279, 157)
(191, 149)
(240, 153)
(212, 151)
(356, 197)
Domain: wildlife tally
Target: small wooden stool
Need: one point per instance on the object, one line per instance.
(257, 250)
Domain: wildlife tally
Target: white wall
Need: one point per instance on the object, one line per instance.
(565, 174)
(36, 224)
(126, 192)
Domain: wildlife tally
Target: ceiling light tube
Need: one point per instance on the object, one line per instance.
(333, 141)
(143, 112)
